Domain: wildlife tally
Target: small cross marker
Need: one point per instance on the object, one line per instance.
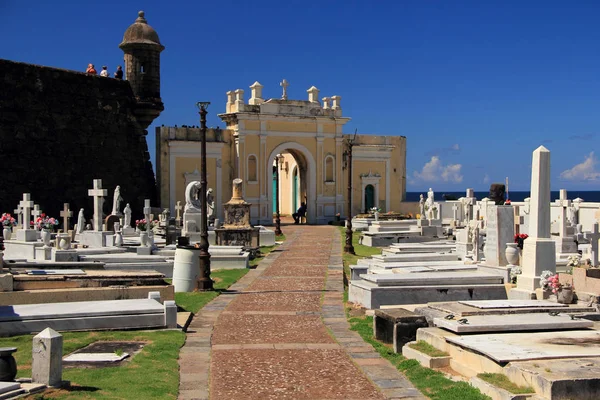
(66, 214)
(98, 194)
(25, 205)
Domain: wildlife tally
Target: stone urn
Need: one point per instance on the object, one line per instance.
(565, 295)
(144, 238)
(46, 236)
(6, 232)
(8, 365)
(512, 253)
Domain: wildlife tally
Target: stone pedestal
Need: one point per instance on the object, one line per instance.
(43, 253)
(46, 365)
(64, 255)
(96, 238)
(128, 231)
(27, 235)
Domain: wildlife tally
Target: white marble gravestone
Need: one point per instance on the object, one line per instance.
(500, 231)
(539, 249)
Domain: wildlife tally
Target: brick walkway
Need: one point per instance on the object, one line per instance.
(281, 333)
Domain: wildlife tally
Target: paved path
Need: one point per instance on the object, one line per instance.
(281, 333)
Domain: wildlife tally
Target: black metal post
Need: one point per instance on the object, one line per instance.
(204, 282)
(277, 216)
(349, 248)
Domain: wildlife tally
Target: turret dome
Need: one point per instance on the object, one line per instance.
(140, 33)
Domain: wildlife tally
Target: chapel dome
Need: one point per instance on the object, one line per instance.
(140, 33)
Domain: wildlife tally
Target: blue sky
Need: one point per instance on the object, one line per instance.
(475, 86)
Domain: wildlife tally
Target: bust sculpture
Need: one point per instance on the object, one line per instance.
(497, 193)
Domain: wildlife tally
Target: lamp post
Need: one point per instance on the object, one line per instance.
(204, 282)
(349, 248)
(277, 216)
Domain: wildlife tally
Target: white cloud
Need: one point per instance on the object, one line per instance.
(455, 147)
(435, 171)
(585, 171)
(486, 178)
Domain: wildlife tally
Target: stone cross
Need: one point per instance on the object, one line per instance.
(98, 194)
(25, 205)
(66, 214)
(539, 250)
(284, 84)
(593, 237)
(518, 219)
(36, 212)
(178, 209)
(19, 214)
(564, 204)
(147, 215)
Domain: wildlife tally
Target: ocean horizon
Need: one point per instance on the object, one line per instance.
(587, 195)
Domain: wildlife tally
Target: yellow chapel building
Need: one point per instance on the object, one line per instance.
(302, 141)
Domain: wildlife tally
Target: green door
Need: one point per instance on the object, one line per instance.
(295, 191)
(369, 197)
(274, 192)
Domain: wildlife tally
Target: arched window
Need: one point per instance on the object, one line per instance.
(329, 169)
(251, 168)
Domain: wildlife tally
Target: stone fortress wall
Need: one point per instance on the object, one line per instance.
(61, 129)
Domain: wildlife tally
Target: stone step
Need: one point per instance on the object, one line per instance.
(84, 294)
(122, 259)
(87, 315)
(423, 257)
(511, 323)
(574, 378)
(433, 279)
(372, 296)
(392, 251)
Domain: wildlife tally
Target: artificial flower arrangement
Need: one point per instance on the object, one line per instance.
(520, 238)
(45, 222)
(555, 285)
(374, 209)
(141, 224)
(7, 220)
(507, 202)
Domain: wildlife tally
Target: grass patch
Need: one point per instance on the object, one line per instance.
(428, 349)
(194, 301)
(502, 381)
(361, 251)
(264, 251)
(151, 374)
(431, 383)
(280, 238)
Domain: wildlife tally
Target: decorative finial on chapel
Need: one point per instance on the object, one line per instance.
(284, 84)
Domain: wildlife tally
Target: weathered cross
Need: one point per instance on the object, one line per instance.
(284, 84)
(518, 220)
(36, 212)
(98, 194)
(178, 209)
(19, 214)
(66, 214)
(564, 204)
(147, 210)
(25, 205)
(593, 237)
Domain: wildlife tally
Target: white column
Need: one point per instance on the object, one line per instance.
(539, 250)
